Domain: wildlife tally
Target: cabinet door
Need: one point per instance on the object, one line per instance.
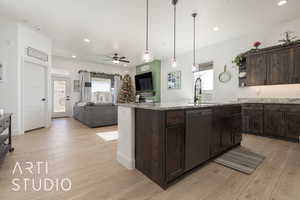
(226, 132)
(280, 67)
(256, 70)
(215, 139)
(253, 121)
(274, 123)
(237, 128)
(292, 121)
(295, 78)
(175, 140)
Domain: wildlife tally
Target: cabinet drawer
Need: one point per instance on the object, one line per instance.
(253, 106)
(283, 108)
(175, 118)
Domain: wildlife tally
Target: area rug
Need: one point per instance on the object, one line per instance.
(241, 159)
(109, 136)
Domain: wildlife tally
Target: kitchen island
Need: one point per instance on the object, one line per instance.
(166, 141)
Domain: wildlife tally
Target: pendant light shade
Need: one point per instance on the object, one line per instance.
(174, 62)
(147, 57)
(194, 67)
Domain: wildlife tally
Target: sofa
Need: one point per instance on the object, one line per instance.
(96, 115)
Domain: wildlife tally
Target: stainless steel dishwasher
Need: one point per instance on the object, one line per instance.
(197, 137)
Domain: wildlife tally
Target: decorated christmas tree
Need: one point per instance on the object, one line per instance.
(126, 93)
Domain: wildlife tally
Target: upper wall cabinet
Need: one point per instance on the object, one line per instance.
(273, 66)
(256, 69)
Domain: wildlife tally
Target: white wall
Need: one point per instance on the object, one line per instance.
(221, 54)
(70, 67)
(14, 39)
(9, 57)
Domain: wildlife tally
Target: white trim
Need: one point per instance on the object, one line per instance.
(125, 161)
(47, 91)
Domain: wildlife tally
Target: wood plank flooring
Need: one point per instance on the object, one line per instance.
(74, 151)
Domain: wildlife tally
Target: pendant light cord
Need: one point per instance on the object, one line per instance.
(147, 26)
(194, 16)
(174, 56)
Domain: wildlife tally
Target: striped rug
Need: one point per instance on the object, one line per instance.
(241, 159)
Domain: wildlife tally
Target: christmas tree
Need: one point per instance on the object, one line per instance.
(126, 93)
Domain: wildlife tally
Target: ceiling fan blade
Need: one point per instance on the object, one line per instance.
(125, 61)
(122, 58)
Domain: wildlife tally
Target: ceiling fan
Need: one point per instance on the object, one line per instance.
(116, 59)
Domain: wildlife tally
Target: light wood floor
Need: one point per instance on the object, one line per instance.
(74, 151)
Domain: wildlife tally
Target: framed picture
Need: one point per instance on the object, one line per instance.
(174, 80)
(2, 72)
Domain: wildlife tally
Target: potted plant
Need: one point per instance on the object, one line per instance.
(240, 59)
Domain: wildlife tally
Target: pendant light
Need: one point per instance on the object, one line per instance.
(147, 57)
(174, 62)
(194, 67)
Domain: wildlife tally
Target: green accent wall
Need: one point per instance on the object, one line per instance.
(155, 68)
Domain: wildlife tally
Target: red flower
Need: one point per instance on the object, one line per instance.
(257, 44)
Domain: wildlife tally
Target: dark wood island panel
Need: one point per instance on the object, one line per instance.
(171, 143)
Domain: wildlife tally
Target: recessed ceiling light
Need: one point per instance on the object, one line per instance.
(74, 56)
(86, 40)
(282, 2)
(216, 28)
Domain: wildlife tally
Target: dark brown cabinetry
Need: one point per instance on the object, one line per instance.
(256, 69)
(273, 121)
(295, 78)
(278, 120)
(226, 130)
(253, 118)
(175, 138)
(170, 143)
(280, 66)
(273, 66)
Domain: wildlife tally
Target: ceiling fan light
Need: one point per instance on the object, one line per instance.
(147, 56)
(116, 62)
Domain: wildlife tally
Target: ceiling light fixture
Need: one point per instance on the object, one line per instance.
(74, 56)
(174, 62)
(147, 57)
(86, 40)
(282, 2)
(194, 67)
(116, 62)
(216, 28)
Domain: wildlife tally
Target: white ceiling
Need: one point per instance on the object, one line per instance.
(119, 25)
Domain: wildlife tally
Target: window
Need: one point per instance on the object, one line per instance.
(207, 77)
(101, 90)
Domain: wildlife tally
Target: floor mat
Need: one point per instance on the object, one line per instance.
(241, 159)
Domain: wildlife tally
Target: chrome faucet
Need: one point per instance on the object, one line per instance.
(198, 84)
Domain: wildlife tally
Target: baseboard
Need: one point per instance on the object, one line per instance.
(126, 162)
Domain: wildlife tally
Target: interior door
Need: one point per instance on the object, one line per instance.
(34, 96)
(61, 91)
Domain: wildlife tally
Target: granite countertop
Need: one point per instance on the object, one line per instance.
(177, 106)
(209, 104)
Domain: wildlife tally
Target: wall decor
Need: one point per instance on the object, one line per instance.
(76, 86)
(225, 76)
(31, 52)
(2, 72)
(174, 80)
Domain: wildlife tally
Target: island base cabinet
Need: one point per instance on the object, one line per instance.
(175, 138)
(169, 143)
